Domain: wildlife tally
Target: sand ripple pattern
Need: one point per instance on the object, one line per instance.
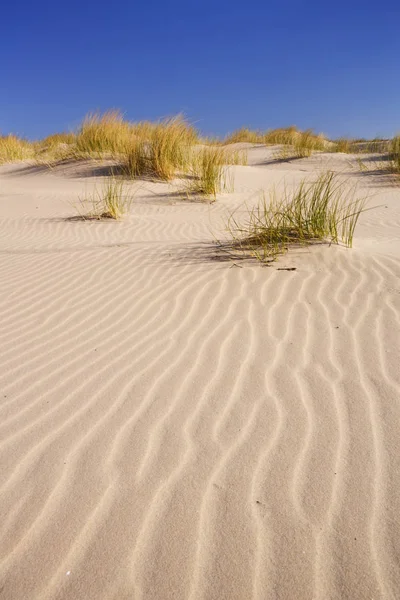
(178, 429)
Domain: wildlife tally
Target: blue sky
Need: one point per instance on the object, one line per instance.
(333, 66)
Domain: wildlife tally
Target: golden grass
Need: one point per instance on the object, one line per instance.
(342, 144)
(394, 155)
(56, 139)
(283, 135)
(208, 171)
(13, 148)
(106, 133)
(164, 150)
(321, 211)
(245, 135)
(110, 202)
(302, 144)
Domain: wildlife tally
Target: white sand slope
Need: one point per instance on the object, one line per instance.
(176, 427)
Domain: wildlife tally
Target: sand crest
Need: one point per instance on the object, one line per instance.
(174, 427)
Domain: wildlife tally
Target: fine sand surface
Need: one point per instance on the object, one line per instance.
(174, 426)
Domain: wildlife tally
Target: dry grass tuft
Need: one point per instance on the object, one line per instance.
(245, 135)
(13, 148)
(161, 150)
(106, 133)
(283, 135)
(108, 203)
(344, 145)
(209, 171)
(320, 211)
(394, 155)
(301, 144)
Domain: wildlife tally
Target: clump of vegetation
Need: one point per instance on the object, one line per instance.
(282, 135)
(164, 150)
(245, 135)
(307, 142)
(106, 133)
(110, 202)
(55, 148)
(394, 155)
(342, 144)
(301, 144)
(237, 157)
(319, 211)
(208, 171)
(56, 139)
(169, 148)
(13, 148)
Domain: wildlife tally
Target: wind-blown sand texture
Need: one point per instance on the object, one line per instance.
(178, 427)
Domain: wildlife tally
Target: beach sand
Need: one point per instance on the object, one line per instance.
(178, 426)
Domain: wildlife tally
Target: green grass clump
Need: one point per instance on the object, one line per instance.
(110, 202)
(319, 211)
(13, 148)
(106, 133)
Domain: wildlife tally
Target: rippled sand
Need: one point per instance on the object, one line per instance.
(177, 427)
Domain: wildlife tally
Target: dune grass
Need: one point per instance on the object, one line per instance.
(282, 135)
(208, 171)
(56, 139)
(162, 150)
(394, 155)
(320, 211)
(13, 148)
(301, 144)
(110, 202)
(106, 133)
(244, 135)
(342, 144)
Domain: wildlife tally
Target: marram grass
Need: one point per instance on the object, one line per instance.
(394, 155)
(209, 172)
(103, 133)
(320, 211)
(13, 148)
(162, 150)
(109, 202)
(301, 144)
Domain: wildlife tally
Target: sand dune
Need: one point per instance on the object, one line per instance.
(173, 427)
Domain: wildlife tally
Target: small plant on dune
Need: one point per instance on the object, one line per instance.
(208, 171)
(56, 139)
(169, 148)
(165, 150)
(55, 148)
(307, 143)
(13, 148)
(283, 135)
(106, 133)
(110, 202)
(137, 162)
(342, 144)
(245, 135)
(394, 155)
(302, 144)
(319, 211)
(237, 157)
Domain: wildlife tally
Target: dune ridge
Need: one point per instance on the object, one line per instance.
(178, 427)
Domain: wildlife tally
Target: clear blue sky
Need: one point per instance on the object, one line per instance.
(332, 65)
